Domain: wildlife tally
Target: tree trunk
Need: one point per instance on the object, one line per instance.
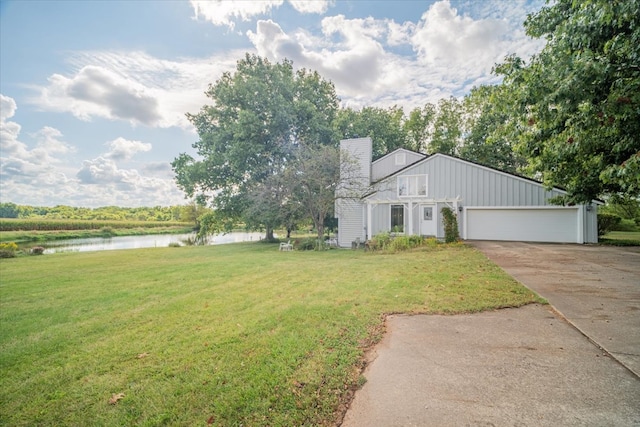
(269, 236)
(320, 228)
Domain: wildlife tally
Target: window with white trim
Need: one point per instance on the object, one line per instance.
(397, 218)
(412, 186)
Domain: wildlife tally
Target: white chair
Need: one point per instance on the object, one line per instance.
(286, 246)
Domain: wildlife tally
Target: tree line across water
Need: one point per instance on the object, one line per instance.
(176, 214)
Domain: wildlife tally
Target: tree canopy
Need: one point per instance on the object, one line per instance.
(578, 100)
(258, 116)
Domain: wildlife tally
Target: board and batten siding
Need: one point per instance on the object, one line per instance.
(475, 185)
(493, 205)
(387, 165)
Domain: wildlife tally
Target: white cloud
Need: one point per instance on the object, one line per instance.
(8, 107)
(97, 91)
(32, 174)
(134, 87)
(123, 149)
(9, 131)
(50, 140)
(311, 6)
(452, 53)
(103, 170)
(226, 12)
(354, 64)
(46, 175)
(443, 36)
(126, 187)
(221, 12)
(466, 48)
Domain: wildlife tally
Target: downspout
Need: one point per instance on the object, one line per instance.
(368, 229)
(581, 212)
(410, 228)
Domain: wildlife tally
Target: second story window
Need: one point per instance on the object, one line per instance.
(412, 186)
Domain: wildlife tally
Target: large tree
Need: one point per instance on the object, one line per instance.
(418, 127)
(249, 133)
(489, 128)
(447, 127)
(383, 126)
(579, 98)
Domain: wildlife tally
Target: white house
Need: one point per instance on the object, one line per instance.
(407, 191)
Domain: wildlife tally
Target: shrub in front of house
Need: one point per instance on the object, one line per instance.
(381, 241)
(400, 243)
(387, 242)
(416, 240)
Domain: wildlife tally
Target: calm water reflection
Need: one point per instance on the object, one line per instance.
(135, 242)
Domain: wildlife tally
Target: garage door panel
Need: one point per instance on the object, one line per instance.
(529, 225)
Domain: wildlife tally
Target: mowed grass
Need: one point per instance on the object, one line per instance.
(626, 237)
(230, 335)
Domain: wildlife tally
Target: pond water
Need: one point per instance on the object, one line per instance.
(135, 242)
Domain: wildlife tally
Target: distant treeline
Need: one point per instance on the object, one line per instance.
(44, 224)
(107, 213)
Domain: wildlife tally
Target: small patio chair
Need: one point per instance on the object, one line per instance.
(286, 246)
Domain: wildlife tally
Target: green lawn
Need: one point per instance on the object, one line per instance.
(621, 238)
(224, 335)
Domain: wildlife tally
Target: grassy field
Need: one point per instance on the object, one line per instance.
(225, 335)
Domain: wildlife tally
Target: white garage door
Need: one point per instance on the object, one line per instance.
(530, 224)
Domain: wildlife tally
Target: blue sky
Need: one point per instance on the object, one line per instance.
(93, 94)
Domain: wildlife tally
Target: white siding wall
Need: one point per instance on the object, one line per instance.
(386, 165)
(476, 185)
(350, 222)
(349, 211)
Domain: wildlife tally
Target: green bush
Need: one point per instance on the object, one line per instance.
(381, 241)
(626, 225)
(450, 221)
(607, 222)
(386, 242)
(308, 244)
(8, 250)
(416, 241)
(400, 243)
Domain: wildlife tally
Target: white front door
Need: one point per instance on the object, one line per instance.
(428, 220)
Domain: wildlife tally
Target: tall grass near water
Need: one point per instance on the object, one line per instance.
(224, 335)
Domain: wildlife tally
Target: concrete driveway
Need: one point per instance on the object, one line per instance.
(531, 366)
(595, 288)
